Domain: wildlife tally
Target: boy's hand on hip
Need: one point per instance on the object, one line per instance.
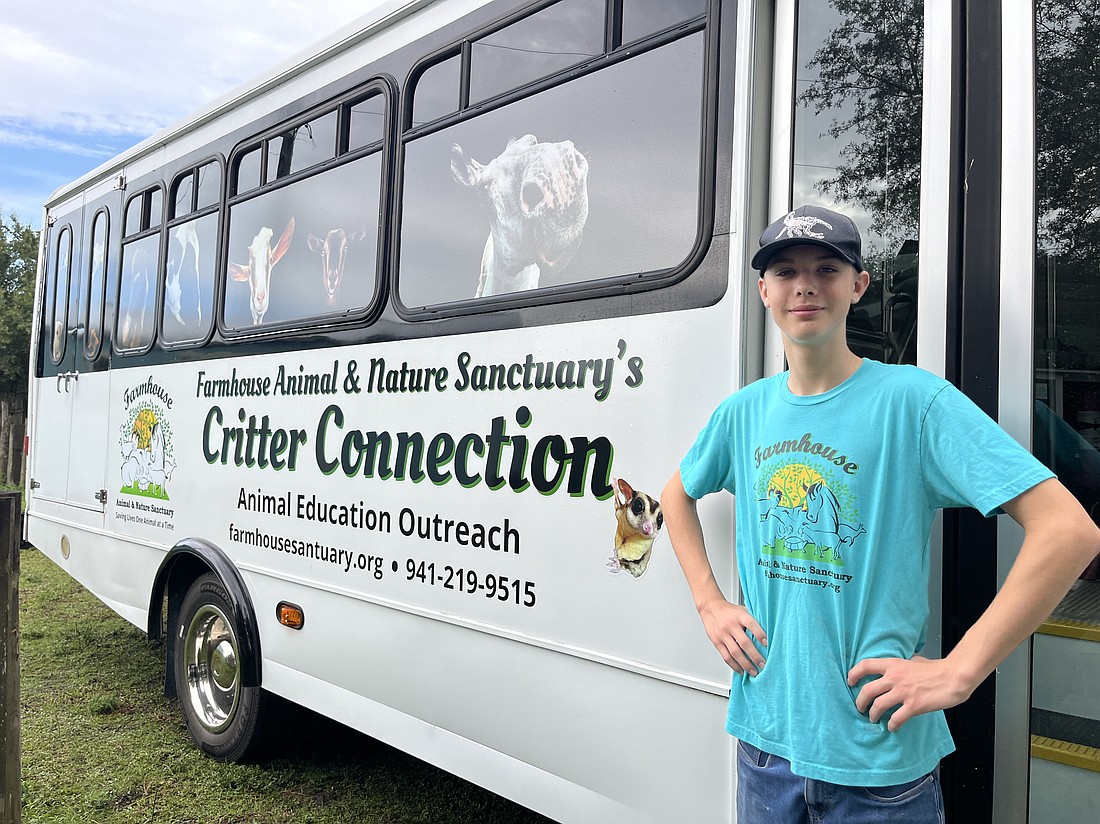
(915, 686)
(728, 627)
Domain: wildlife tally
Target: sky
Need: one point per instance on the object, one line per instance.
(81, 82)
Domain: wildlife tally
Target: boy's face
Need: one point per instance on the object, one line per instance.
(809, 290)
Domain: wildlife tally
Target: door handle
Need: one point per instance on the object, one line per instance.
(74, 375)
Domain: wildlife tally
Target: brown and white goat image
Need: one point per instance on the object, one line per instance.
(257, 272)
(333, 249)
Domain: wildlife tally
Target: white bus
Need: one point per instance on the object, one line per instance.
(357, 385)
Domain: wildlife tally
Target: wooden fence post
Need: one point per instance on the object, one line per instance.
(10, 540)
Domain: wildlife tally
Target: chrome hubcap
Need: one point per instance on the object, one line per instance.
(210, 651)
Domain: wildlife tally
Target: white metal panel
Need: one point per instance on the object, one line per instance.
(782, 145)
(1016, 373)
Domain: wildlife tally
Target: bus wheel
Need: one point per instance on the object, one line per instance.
(225, 719)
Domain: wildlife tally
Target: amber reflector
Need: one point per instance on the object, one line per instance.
(290, 615)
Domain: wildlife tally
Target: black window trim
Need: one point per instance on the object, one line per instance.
(379, 84)
(614, 52)
(708, 23)
(195, 213)
(66, 229)
(102, 212)
(148, 230)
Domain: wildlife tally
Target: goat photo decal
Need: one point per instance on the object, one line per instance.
(333, 249)
(147, 455)
(536, 198)
(262, 258)
(639, 522)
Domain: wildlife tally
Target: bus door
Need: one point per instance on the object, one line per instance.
(70, 445)
(89, 386)
(1062, 391)
(53, 419)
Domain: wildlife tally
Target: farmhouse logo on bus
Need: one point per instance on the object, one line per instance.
(145, 441)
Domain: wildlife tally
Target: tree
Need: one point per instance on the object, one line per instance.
(18, 264)
(18, 259)
(869, 74)
(1068, 127)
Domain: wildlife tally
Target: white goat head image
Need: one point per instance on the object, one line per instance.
(188, 240)
(333, 249)
(537, 198)
(257, 272)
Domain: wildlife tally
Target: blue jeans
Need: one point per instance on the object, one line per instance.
(769, 793)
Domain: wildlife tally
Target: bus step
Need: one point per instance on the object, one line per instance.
(1065, 752)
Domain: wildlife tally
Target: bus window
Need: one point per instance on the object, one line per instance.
(62, 269)
(182, 199)
(137, 294)
(562, 35)
(248, 171)
(189, 269)
(368, 122)
(436, 92)
(857, 149)
(97, 281)
(134, 215)
(189, 280)
(305, 250)
(78, 283)
(1066, 426)
(643, 17)
(48, 301)
(278, 157)
(1067, 278)
(560, 226)
(311, 143)
(209, 185)
(155, 198)
(137, 289)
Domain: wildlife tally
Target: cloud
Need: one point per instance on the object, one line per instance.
(84, 80)
(17, 135)
(132, 67)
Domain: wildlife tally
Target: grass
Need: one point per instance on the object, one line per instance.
(102, 744)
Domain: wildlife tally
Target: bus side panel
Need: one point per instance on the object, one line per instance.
(575, 739)
(443, 511)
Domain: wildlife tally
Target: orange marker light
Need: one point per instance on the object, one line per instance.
(290, 615)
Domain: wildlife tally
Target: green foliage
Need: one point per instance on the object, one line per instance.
(869, 75)
(18, 263)
(1068, 141)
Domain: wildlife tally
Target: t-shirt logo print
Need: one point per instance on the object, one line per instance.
(794, 226)
(813, 521)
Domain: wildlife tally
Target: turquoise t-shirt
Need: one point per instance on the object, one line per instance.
(836, 494)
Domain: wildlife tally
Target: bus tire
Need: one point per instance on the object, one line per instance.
(226, 720)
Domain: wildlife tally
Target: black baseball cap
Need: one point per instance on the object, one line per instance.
(811, 226)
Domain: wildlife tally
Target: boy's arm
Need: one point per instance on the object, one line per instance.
(727, 625)
(1059, 541)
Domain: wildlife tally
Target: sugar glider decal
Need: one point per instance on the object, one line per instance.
(639, 522)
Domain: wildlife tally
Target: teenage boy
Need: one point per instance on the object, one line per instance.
(838, 467)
